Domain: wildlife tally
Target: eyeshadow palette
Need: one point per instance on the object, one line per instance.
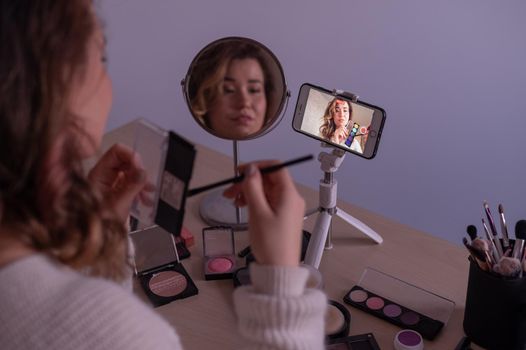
(355, 342)
(400, 303)
(393, 312)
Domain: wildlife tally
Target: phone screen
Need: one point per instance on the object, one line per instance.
(337, 120)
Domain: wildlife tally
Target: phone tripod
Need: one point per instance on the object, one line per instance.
(330, 163)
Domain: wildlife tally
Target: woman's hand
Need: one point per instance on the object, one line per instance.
(120, 177)
(340, 135)
(276, 213)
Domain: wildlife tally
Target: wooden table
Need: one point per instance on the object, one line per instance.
(408, 254)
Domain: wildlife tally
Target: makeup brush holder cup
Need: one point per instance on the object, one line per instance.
(495, 314)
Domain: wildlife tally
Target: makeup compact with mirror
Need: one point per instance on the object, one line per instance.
(158, 268)
(235, 89)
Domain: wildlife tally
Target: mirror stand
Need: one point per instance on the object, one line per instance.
(216, 210)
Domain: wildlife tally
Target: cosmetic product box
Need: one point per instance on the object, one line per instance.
(158, 268)
(495, 314)
(400, 303)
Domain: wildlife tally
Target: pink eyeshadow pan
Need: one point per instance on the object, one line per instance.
(375, 303)
(220, 265)
(167, 283)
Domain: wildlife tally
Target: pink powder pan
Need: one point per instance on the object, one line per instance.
(219, 252)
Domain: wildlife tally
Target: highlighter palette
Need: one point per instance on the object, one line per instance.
(157, 266)
(400, 303)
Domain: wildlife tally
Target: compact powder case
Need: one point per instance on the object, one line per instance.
(356, 342)
(242, 277)
(157, 266)
(219, 252)
(400, 303)
(337, 321)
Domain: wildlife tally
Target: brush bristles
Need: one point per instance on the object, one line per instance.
(508, 267)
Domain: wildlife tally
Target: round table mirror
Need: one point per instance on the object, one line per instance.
(235, 89)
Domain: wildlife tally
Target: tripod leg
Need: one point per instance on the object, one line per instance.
(359, 225)
(310, 212)
(317, 240)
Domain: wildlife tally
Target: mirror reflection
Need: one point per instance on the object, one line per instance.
(235, 88)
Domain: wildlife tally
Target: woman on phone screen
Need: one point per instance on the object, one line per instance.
(337, 124)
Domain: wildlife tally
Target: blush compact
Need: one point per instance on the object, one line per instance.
(219, 252)
(157, 267)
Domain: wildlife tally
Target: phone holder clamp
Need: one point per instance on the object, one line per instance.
(350, 95)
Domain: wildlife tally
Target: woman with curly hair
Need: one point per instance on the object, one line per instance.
(337, 122)
(231, 89)
(63, 235)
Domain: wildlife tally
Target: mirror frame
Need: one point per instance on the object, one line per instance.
(269, 125)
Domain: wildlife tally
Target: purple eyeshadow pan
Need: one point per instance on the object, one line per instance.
(392, 310)
(409, 338)
(410, 318)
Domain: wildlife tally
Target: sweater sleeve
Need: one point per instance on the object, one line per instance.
(278, 312)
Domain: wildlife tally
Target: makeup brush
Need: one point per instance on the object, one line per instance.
(492, 246)
(478, 256)
(482, 247)
(520, 236)
(493, 230)
(503, 228)
(472, 232)
(508, 267)
(240, 178)
(490, 218)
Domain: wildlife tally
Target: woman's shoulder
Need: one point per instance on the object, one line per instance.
(66, 307)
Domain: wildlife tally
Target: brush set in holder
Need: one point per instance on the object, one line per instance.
(495, 314)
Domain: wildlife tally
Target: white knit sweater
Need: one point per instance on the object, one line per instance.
(45, 305)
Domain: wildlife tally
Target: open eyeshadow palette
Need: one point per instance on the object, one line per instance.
(400, 303)
(168, 160)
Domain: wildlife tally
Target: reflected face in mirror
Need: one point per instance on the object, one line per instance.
(239, 109)
(235, 88)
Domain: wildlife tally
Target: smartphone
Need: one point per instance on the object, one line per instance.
(338, 120)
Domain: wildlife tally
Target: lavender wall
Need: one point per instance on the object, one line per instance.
(450, 74)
